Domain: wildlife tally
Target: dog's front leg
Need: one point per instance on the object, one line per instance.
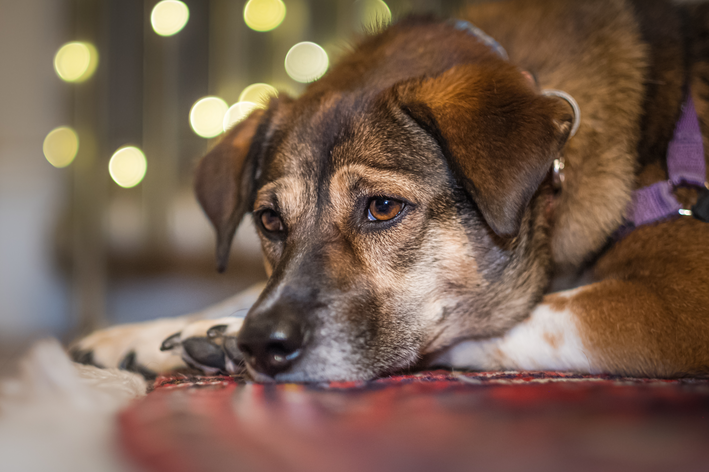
(200, 340)
(549, 339)
(624, 327)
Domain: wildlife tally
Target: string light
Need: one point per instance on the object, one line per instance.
(237, 112)
(169, 17)
(264, 15)
(252, 97)
(128, 166)
(207, 116)
(61, 146)
(306, 62)
(76, 61)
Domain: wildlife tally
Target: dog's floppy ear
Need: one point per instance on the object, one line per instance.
(499, 135)
(224, 182)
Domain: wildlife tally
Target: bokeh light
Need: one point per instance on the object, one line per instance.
(207, 116)
(169, 17)
(128, 166)
(371, 14)
(76, 61)
(238, 112)
(264, 15)
(306, 62)
(61, 146)
(258, 93)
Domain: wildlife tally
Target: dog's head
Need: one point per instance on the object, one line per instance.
(397, 215)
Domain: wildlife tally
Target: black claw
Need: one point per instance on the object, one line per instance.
(216, 331)
(231, 349)
(204, 352)
(171, 342)
(83, 357)
(128, 363)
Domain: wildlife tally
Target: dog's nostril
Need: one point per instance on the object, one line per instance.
(282, 353)
(272, 348)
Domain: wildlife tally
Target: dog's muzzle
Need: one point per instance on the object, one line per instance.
(272, 341)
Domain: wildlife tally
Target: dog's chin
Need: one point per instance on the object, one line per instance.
(258, 376)
(300, 375)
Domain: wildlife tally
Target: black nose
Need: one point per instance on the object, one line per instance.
(271, 342)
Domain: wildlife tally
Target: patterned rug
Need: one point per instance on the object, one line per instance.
(433, 421)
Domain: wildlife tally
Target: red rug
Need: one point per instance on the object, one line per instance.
(434, 421)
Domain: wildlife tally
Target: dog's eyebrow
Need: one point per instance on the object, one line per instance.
(287, 194)
(376, 181)
(266, 197)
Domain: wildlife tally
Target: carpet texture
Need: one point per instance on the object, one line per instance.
(434, 421)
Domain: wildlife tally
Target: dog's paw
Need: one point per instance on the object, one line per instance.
(209, 345)
(133, 347)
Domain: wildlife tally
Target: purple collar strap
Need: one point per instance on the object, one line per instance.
(685, 166)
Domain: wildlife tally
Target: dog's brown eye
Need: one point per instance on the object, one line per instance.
(271, 221)
(384, 209)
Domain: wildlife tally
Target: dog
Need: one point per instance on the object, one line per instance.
(467, 194)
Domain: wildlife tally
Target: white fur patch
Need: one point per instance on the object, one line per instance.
(548, 340)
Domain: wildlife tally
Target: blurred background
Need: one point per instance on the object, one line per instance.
(106, 105)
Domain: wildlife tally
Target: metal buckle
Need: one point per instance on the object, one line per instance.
(558, 173)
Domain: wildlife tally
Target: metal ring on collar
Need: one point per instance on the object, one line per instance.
(574, 105)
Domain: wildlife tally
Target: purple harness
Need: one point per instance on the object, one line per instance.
(685, 166)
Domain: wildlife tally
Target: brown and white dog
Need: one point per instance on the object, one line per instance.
(409, 216)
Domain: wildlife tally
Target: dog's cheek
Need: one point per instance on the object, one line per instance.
(359, 337)
(393, 329)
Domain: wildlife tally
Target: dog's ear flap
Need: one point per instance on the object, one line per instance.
(499, 135)
(224, 182)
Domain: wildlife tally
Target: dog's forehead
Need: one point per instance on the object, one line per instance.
(312, 130)
(341, 130)
(301, 156)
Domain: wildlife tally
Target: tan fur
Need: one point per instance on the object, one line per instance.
(648, 316)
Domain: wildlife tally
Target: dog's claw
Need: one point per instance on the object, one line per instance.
(216, 331)
(204, 352)
(128, 363)
(171, 342)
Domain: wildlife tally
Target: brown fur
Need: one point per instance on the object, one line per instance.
(592, 50)
(649, 315)
(426, 114)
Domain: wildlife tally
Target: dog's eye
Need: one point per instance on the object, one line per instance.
(383, 209)
(271, 221)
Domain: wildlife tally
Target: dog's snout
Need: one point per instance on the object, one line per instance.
(272, 342)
